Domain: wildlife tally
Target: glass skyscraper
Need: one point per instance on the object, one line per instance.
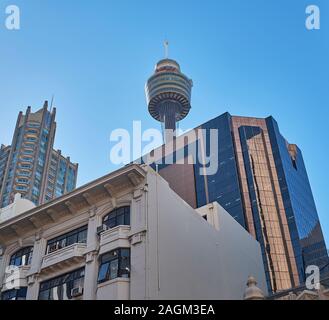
(30, 166)
(261, 181)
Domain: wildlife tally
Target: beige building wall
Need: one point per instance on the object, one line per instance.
(175, 252)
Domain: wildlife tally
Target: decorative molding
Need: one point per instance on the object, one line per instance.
(134, 179)
(71, 208)
(17, 229)
(137, 238)
(138, 193)
(92, 211)
(36, 222)
(90, 256)
(51, 214)
(110, 191)
(88, 199)
(38, 235)
(31, 279)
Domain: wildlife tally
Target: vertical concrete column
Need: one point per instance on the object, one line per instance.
(91, 268)
(138, 245)
(92, 237)
(2, 266)
(91, 272)
(32, 287)
(39, 251)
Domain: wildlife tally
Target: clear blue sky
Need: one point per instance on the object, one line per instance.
(252, 58)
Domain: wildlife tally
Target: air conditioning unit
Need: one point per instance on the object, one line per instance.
(77, 292)
(101, 229)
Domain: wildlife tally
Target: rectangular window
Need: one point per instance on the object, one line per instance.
(31, 139)
(33, 125)
(29, 145)
(32, 131)
(22, 180)
(14, 294)
(27, 159)
(24, 173)
(25, 166)
(114, 264)
(28, 151)
(67, 239)
(21, 188)
(61, 288)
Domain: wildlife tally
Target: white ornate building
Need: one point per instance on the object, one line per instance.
(126, 235)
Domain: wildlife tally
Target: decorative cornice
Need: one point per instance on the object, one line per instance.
(74, 202)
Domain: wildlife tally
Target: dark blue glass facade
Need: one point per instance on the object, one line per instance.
(261, 177)
(304, 225)
(223, 186)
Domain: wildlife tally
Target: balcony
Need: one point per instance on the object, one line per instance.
(15, 277)
(117, 289)
(114, 238)
(64, 257)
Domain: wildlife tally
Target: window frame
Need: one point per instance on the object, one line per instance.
(69, 278)
(19, 254)
(111, 220)
(61, 241)
(14, 294)
(123, 262)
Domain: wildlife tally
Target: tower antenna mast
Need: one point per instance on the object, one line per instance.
(166, 46)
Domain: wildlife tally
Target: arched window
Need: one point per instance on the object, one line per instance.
(22, 257)
(117, 217)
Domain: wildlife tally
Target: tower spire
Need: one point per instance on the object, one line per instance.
(166, 47)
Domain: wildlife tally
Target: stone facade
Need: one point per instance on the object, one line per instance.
(167, 250)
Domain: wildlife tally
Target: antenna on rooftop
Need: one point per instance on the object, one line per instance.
(166, 47)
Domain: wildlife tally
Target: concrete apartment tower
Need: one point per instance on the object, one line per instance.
(30, 166)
